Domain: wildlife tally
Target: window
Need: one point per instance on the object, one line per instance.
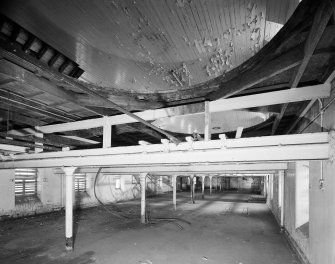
(25, 182)
(80, 182)
(118, 182)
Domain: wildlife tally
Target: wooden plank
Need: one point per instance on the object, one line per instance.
(54, 58)
(9, 69)
(29, 43)
(28, 104)
(303, 113)
(11, 148)
(253, 77)
(290, 95)
(33, 139)
(27, 144)
(320, 20)
(18, 118)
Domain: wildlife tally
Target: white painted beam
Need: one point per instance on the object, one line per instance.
(11, 148)
(271, 98)
(282, 140)
(89, 141)
(239, 132)
(217, 156)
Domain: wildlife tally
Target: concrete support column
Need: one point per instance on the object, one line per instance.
(217, 184)
(174, 185)
(192, 188)
(69, 171)
(220, 183)
(265, 185)
(143, 177)
(281, 182)
(207, 122)
(107, 133)
(210, 185)
(203, 187)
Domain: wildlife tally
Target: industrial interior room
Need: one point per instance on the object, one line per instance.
(167, 131)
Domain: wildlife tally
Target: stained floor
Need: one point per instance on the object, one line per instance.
(226, 228)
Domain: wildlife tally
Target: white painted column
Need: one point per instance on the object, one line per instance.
(265, 185)
(107, 132)
(192, 188)
(282, 190)
(210, 185)
(174, 185)
(220, 183)
(69, 171)
(203, 187)
(143, 177)
(207, 122)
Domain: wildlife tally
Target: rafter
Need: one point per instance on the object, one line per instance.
(9, 52)
(320, 20)
(278, 97)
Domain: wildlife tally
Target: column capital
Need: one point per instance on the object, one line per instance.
(143, 174)
(69, 171)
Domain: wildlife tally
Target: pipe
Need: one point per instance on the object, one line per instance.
(321, 112)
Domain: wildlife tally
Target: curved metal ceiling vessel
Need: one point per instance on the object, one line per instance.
(149, 46)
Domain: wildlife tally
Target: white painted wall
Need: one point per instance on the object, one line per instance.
(302, 193)
(51, 191)
(7, 187)
(319, 246)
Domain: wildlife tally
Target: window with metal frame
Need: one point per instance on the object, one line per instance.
(25, 182)
(80, 182)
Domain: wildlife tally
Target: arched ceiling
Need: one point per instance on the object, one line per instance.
(152, 45)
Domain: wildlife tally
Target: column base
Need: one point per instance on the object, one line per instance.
(69, 244)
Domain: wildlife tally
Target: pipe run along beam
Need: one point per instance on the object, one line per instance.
(256, 168)
(242, 102)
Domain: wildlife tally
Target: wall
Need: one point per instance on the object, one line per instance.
(318, 243)
(51, 190)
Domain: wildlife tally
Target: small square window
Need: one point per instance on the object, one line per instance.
(80, 182)
(25, 182)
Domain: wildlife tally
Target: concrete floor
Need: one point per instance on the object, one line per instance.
(214, 230)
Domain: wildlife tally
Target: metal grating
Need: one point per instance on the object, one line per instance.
(80, 182)
(25, 182)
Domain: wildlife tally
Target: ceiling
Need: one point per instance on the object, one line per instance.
(135, 45)
(58, 57)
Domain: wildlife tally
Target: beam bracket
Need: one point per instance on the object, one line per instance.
(166, 145)
(223, 139)
(190, 142)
